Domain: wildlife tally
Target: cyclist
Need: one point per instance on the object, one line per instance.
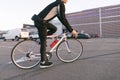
(41, 21)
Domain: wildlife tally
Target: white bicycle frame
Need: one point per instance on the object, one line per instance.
(64, 37)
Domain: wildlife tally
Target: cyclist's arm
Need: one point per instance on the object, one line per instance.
(61, 16)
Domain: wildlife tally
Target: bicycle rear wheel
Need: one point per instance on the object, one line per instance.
(69, 50)
(25, 54)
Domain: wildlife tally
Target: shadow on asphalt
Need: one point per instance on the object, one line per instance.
(96, 56)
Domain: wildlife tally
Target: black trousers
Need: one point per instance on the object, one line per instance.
(42, 32)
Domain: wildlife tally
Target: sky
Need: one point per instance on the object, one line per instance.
(15, 13)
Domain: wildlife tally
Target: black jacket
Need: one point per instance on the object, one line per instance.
(60, 13)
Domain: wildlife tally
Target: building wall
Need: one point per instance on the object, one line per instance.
(104, 21)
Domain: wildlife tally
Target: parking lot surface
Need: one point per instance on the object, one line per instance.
(100, 61)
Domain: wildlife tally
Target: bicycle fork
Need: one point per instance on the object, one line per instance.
(67, 46)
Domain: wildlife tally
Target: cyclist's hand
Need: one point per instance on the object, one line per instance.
(75, 33)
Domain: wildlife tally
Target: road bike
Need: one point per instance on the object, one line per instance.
(25, 54)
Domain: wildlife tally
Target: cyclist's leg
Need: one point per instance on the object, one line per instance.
(42, 32)
(52, 28)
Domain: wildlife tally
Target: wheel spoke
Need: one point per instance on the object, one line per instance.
(70, 50)
(26, 54)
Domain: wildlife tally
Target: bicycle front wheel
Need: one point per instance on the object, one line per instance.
(69, 50)
(26, 54)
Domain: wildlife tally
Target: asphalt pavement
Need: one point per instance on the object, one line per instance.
(100, 61)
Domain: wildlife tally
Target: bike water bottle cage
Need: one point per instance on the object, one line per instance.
(53, 43)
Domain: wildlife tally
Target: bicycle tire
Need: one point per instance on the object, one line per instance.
(75, 47)
(20, 57)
